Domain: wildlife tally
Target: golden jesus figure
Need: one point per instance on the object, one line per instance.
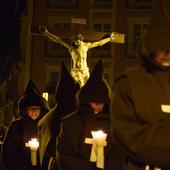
(78, 50)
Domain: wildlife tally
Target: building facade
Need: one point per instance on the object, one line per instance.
(67, 17)
(41, 58)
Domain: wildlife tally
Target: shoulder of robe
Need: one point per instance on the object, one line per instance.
(69, 115)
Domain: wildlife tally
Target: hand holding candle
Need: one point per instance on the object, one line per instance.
(33, 144)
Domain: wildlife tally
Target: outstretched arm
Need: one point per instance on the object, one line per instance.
(53, 37)
(102, 41)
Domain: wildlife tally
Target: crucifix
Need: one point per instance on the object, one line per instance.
(78, 49)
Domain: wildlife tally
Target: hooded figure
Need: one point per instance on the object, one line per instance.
(49, 126)
(141, 101)
(32, 107)
(92, 115)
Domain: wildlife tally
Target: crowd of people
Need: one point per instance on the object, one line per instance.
(93, 126)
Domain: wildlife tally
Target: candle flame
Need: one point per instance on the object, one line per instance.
(33, 144)
(98, 134)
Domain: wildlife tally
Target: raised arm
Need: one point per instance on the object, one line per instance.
(102, 41)
(53, 37)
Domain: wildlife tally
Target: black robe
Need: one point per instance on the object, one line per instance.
(15, 155)
(72, 151)
(48, 129)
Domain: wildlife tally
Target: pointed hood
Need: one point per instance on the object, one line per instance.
(65, 96)
(31, 88)
(66, 90)
(96, 88)
(32, 97)
(157, 35)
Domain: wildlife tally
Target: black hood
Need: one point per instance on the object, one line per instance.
(66, 90)
(157, 35)
(96, 88)
(32, 97)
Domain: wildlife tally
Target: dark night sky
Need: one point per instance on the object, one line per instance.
(9, 30)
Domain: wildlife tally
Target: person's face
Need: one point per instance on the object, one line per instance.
(97, 107)
(77, 42)
(33, 112)
(162, 58)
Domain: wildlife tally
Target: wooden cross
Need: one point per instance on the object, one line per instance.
(88, 34)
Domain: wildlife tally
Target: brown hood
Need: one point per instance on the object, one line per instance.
(157, 35)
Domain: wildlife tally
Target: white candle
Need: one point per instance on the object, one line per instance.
(99, 139)
(33, 144)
